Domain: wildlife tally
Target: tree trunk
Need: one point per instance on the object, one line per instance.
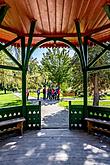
(96, 91)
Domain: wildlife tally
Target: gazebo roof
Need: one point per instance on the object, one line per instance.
(55, 18)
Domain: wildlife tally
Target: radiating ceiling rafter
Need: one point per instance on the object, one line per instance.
(40, 15)
(48, 15)
(55, 16)
(62, 16)
(69, 16)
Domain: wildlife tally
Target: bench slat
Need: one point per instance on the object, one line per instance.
(98, 121)
(12, 121)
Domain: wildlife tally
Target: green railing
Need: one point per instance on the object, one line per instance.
(10, 113)
(33, 120)
(32, 115)
(75, 116)
(102, 113)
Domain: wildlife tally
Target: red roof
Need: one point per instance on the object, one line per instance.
(55, 18)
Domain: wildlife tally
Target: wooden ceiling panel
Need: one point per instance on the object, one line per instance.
(43, 9)
(33, 12)
(55, 18)
(66, 15)
(59, 12)
(51, 9)
(11, 19)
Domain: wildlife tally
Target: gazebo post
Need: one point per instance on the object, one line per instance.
(85, 76)
(84, 61)
(25, 61)
(23, 76)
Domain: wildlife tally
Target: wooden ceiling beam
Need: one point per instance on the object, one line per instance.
(10, 30)
(93, 31)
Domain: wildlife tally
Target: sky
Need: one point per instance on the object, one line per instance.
(39, 53)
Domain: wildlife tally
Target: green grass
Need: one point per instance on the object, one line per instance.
(80, 102)
(8, 100)
(104, 103)
(75, 102)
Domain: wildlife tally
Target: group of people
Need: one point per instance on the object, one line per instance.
(50, 93)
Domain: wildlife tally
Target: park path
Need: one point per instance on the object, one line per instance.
(52, 115)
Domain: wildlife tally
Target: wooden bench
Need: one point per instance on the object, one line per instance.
(97, 124)
(13, 124)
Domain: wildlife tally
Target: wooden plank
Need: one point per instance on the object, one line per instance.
(12, 121)
(101, 129)
(98, 125)
(98, 121)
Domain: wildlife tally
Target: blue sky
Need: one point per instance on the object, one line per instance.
(39, 53)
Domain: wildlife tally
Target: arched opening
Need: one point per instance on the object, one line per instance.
(50, 120)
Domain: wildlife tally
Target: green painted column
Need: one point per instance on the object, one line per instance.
(85, 76)
(85, 82)
(23, 76)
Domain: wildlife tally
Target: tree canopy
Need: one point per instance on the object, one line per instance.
(56, 63)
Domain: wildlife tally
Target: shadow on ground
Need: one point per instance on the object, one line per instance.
(54, 147)
(55, 119)
(43, 102)
(12, 104)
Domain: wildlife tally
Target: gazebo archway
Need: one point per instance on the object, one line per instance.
(54, 22)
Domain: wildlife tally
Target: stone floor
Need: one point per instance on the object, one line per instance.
(54, 147)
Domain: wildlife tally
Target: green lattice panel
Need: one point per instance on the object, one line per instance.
(75, 116)
(102, 113)
(34, 116)
(10, 113)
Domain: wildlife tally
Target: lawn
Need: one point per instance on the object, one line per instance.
(79, 100)
(103, 103)
(9, 99)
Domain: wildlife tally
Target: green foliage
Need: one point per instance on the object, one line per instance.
(9, 78)
(56, 63)
(103, 75)
(64, 87)
(33, 76)
(75, 80)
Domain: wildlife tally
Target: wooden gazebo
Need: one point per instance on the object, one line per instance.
(34, 23)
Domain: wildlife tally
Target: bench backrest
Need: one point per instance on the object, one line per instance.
(102, 113)
(10, 113)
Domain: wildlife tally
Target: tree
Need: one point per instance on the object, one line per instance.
(34, 78)
(76, 76)
(56, 63)
(98, 80)
(8, 78)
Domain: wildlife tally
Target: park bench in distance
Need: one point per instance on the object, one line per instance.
(13, 124)
(98, 125)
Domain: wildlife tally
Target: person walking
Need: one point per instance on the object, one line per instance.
(53, 91)
(38, 93)
(58, 94)
(44, 93)
(27, 94)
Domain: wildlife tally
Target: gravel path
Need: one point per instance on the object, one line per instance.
(54, 116)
